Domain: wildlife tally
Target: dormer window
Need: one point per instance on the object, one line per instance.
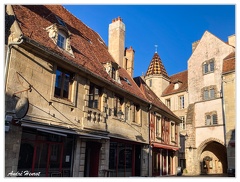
(60, 36)
(112, 70)
(177, 84)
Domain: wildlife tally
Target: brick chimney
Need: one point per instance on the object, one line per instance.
(116, 40)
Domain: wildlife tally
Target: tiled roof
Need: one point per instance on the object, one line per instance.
(88, 48)
(156, 67)
(229, 63)
(182, 79)
(152, 97)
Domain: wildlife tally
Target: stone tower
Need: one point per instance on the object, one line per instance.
(156, 77)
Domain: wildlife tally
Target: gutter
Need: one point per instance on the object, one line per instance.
(7, 61)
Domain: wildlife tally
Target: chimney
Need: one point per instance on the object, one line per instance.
(129, 60)
(116, 40)
(194, 45)
(232, 40)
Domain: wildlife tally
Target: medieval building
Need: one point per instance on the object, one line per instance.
(200, 96)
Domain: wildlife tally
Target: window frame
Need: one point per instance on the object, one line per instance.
(117, 104)
(183, 123)
(173, 131)
(211, 119)
(61, 44)
(209, 93)
(136, 113)
(208, 66)
(181, 102)
(62, 84)
(92, 101)
(168, 103)
(158, 120)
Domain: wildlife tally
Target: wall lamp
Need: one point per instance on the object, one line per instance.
(120, 114)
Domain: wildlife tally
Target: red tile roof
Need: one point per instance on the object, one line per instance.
(182, 79)
(229, 63)
(152, 97)
(88, 48)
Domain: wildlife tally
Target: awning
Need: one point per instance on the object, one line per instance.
(162, 146)
(61, 131)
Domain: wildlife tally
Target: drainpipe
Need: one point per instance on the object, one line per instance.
(20, 40)
(224, 120)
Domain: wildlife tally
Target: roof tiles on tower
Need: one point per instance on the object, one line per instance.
(156, 67)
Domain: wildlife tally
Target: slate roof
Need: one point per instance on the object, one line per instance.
(153, 98)
(156, 67)
(182, 78)
(89, 50)
(229, 63)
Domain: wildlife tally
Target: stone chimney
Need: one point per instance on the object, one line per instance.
(232, 40)
(116, 40)
(194, 45)
(129, 60)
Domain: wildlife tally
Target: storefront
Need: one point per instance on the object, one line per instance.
(124, 158)
(46, 153)
(163, 160)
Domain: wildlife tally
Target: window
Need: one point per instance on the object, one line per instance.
(181, 102)
(208, 66)
(209, 93)
(94, 100)
(136, 113)
(150, 83)
(172, 132)
(176, 86)
(61, 40)
(158, 126)
(113, 73)
(127, 108)
(63, 84)
(117, 105)
(60, 35)
(168, 103)
(211, 119)
(183, 124)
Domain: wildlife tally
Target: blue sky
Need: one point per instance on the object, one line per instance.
(172, 27)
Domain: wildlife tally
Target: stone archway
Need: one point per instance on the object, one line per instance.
(212, 156)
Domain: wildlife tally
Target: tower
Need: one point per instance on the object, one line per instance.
(156, 77)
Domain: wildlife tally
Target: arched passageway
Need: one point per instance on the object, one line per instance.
(213, 158)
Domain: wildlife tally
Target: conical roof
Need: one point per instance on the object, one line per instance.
(156, 67)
